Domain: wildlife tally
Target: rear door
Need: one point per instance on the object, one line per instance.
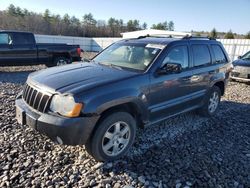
(202, 68)
(24, 49)
(170, 93)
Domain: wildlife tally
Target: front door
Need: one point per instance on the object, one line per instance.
(170, 93)
(6, 57)
(24, 48)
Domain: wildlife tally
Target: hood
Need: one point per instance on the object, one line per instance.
(241, 62)
(76, 77)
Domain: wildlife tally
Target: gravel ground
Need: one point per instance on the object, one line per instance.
(185, 151)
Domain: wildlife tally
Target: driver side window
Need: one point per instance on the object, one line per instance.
(178, 54)
(5, 38)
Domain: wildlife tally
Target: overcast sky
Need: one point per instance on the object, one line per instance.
(188, 15)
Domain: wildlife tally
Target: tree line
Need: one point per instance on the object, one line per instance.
(224, 35)
(15, 18)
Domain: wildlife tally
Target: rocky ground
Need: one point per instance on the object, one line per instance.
(185, 151)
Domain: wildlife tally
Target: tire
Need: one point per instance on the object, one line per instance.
(113, 137)
(59, 61)
(211, 102)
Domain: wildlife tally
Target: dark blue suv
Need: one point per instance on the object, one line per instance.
(132, 83)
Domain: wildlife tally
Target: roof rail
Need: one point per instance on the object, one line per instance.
(198, 37)
(160, 36)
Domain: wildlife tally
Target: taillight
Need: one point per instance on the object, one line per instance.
(78, 51)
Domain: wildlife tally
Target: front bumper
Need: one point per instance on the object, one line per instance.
(240, 79)
(68, 131)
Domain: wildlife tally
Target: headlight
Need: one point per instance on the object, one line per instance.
(65, 105)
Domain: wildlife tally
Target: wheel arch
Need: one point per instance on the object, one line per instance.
(221, 85)
(130, 107)
(64, 54)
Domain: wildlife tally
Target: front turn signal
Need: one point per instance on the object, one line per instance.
(75, 112)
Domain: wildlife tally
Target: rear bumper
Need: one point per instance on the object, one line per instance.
(68, 131)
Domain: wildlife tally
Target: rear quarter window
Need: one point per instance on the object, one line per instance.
(219, 54)
(201, 55)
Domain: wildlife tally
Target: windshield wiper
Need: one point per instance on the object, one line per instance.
(111, 65)
(88, 60)
(248, 58)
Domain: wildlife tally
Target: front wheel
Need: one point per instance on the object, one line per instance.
(211, 103)
(113, 137)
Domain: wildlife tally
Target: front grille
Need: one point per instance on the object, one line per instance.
(242, 69)
(35, 98)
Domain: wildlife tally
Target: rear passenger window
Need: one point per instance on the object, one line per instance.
(218, 53)
(201, 55)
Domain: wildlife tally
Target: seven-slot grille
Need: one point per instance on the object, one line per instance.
(35, 98)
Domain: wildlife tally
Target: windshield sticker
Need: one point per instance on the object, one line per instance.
(158, 46)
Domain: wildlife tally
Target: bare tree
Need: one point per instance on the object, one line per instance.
(15, 18)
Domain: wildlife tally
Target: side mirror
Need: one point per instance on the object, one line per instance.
(170, 68)
(239, 57)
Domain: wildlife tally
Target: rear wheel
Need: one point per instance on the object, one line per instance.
(113, 137)
(59, 61)
(211, 103)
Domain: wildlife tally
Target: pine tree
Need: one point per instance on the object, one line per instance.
(229, 35)
(213, 33)
(247, 35)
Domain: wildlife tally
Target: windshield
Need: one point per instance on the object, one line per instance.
(246, 56)
(128, 55)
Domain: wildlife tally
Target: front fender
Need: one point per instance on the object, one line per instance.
(99, 103)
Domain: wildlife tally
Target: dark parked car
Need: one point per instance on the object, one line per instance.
(20, 48)
(241, 68)
(133, 83)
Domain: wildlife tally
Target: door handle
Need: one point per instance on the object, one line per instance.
(192, 78)
(195, 78)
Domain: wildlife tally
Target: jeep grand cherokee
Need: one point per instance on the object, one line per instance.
(132, 83)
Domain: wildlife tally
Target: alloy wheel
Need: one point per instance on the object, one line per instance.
(213, 102)
(116, 138)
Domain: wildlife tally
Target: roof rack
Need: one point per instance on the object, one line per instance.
(156, 36)
(159, 36)
(198, 37)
